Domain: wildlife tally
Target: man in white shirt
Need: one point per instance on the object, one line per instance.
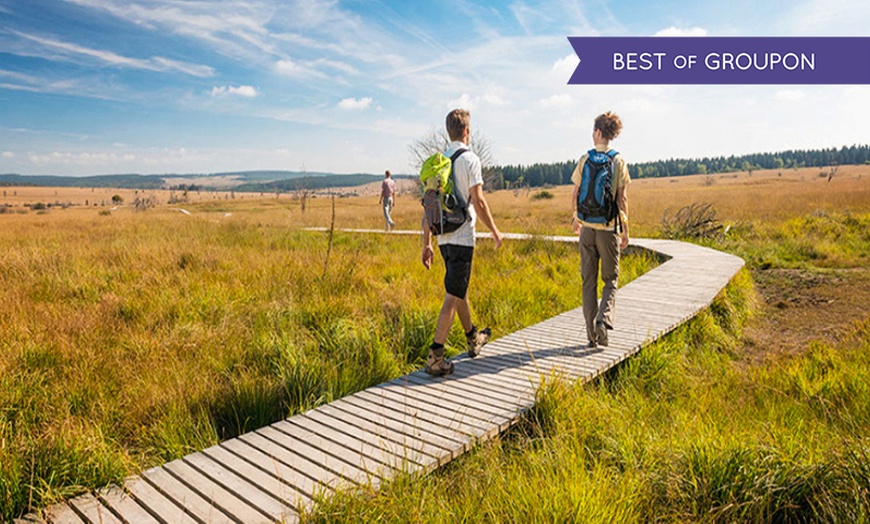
(457, 247)
(388, 194)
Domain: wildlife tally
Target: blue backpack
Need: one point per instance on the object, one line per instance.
(596, 201)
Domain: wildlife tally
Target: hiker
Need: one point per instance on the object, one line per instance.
(602, 234)
(387, 199)
(457, 247)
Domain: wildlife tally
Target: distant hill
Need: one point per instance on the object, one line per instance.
(251, 181)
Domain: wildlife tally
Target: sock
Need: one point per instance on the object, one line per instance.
(437, 349)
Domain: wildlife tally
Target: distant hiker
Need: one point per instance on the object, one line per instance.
(457, 247)
(387, 200)
(601, 219)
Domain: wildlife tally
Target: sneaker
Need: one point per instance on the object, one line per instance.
(591, 345)
(477, 340)
(438, 366)
(601, 334)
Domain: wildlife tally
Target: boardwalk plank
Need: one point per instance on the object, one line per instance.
(260, 457)
(125, 506)
(162, 507)
(394, 422)
(62, 514)
(93, 511)
(203, 509)
(349, 431)
(298, 461)
(239, 486)
(227, 501)
(269, 482)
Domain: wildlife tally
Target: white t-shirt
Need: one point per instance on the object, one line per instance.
(466, 171)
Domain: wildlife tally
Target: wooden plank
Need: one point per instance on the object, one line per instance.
(442, 390)
(163, 508)
(240, 486)
(368, 406)
(305, 484)
(88, 507)
(30, 518)
(394, 449)
(446, 413)
(229, 502)
(62, 514)
(458, 385)
(201, 508)
(325, 458)
(393, 422)
(443, 407)
(125, 506)
(307, 465)
(268, 482)
(357, 452)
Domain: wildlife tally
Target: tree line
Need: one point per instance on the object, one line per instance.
(559, 173)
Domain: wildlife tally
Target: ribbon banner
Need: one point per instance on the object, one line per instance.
(721, 60)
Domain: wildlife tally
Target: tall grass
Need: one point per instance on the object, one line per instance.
(132, 339)
(679, 433)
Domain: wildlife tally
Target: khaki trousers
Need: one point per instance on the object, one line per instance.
(597, 246)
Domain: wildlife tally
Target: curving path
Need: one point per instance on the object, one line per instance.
(268, 475)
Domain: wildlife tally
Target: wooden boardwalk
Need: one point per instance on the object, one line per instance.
(414, 423)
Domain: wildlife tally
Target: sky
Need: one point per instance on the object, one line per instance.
(92, 87)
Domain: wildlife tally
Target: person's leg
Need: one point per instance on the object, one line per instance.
(445, 318)
(608, 247)
(387, 219)
(589, 273)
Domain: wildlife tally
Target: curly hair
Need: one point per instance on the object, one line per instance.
(609, 124)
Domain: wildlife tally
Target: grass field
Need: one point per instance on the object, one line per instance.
(131, 338)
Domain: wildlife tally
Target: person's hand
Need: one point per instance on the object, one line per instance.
(577, 226)
(428, 256)
(496, 237)
(624, 243)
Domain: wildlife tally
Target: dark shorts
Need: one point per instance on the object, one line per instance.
(458, 262)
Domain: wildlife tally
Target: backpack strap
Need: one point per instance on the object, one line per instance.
(456, 154)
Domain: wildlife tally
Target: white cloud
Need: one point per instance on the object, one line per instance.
(790, 95)
(463, 102)
(678, 31)
(57, 50)
(8, 154)
(356, 103)
(244, 91)
(562, 100)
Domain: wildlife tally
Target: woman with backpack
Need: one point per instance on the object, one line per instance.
(601, 219)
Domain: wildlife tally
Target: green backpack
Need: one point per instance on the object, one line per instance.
(444, 208)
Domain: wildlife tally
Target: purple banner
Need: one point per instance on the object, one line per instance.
(721, 60)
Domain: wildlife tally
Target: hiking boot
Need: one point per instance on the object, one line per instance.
(601, 334)
(437, 365)
(477, 340)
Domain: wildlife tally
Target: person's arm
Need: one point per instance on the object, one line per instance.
(575, 223)
(428, 253)
(622, 204)
(482, 209)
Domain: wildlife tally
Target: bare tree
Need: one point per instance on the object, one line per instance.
(437, 140)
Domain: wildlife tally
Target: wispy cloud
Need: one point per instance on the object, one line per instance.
(58, 50)
(356, 103)
(680, 31)
(243, 91)
(8, 154)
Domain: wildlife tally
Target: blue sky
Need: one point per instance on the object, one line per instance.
(201, 86)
